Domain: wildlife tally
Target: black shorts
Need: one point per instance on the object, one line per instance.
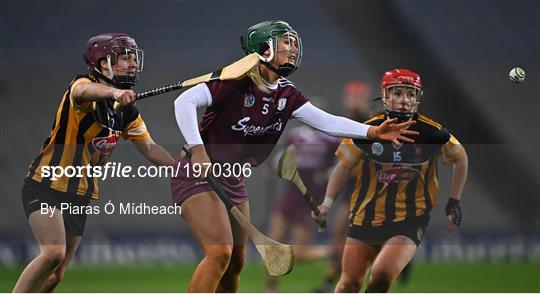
(378, 235)
(34, 193)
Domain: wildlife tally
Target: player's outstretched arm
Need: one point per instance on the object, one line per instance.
(339, 177)
(154, 152)
(85, 92)
(459, 178)
(339, 126)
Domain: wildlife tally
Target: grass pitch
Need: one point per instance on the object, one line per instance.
(425, 277)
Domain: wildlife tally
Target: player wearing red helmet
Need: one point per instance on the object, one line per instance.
(396, 188)
(85, 131)
(392, 84)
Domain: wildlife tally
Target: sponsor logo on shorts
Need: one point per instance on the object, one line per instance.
(397, 174)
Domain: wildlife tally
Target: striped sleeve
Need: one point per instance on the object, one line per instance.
(136, 130)
(349, 154)
(452, 150)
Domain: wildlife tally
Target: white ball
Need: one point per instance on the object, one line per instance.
(517, 75)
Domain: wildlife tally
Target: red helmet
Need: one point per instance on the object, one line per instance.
(109, 46)
(401, 78)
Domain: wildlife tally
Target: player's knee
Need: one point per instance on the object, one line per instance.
(53, 256)
(220, 256)
(381, 280)
(348, 284)
(231, 278)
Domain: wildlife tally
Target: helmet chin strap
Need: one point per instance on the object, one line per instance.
(401, 116)
(106, 78)
(109, 64)
(283, 70)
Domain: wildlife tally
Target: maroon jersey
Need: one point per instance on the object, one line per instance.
(244, 123)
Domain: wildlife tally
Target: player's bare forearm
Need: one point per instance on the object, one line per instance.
(92, 92)
(459, 176)
(154, 152)
(85, 92)
(339, 177)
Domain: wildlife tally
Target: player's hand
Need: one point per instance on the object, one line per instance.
(323, 211)
(390, 131)
(124, 97)
(200, 158)
(453, 212)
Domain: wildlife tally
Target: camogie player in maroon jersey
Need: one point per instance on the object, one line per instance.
(241, 125)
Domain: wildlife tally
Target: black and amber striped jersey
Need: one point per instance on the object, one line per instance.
(84, 134)
(397, 183)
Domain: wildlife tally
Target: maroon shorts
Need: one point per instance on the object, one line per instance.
(183, 187)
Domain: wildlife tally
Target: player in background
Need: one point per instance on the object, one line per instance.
(357, 105)
(85, 132)
(291, 215)
(242, 123)
(396, 188)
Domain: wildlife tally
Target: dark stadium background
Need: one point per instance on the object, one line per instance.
(462, 49)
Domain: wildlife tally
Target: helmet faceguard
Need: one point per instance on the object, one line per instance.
(113, 47)
(401, 78)
(267, 35)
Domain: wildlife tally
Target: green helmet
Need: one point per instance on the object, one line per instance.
(265, 35)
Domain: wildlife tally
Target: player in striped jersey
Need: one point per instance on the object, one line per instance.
(85, 131)
(396, 188)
